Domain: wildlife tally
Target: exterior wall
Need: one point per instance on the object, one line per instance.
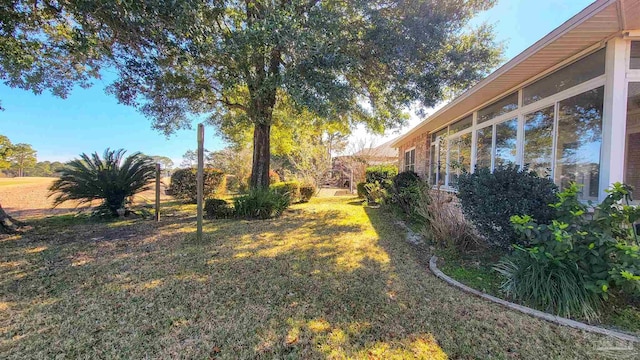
(422, 144)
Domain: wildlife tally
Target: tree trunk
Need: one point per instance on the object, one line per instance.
(8, 225)
(261, 156)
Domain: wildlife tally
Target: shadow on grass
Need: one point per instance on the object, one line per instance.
(327, 280)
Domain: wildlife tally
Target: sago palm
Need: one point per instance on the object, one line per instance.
(110, 179)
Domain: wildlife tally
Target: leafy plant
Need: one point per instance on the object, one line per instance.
(287, 188)
(361, 189)
(444, 221)
(597, 251)
(112, 179)
(184, 184)
(306, 192)
(490, 199)
(548, 284)
(218, 209)
(376, 193)
(261, 204)
(382, 174)
(405, 191)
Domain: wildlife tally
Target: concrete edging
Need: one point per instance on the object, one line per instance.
(529, 311)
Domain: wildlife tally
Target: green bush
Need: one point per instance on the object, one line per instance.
(184, 184)
(490, 199)
(288, 188)
(361, 189)
(261, 204)
(376, 193)
(306, 192)
(382, 174)
(405, 191)
(112, 179)
(217, 209)
(597, 253)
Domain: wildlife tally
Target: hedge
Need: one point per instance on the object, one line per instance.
(184, 184)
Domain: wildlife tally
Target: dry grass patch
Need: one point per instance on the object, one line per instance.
(330, 279)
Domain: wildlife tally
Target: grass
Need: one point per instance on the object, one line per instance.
(476, 271)
(25, 181)
(330, 279)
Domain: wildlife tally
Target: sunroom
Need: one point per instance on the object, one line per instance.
(568, 107)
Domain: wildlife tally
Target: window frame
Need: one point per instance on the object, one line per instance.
(519, 114)
(404, 161)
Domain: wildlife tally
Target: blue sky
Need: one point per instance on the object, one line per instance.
(89, 120)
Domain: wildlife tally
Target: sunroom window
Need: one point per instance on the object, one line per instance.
(585, 69)
(502, 106)
(579, 139)
(484, 146)
(506, 142)
(459, 157)
(538, 140)
(634, 62)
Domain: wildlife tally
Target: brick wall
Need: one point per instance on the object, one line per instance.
(421, 142)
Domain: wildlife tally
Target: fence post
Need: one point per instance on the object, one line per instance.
(157, 191)
(200, 179)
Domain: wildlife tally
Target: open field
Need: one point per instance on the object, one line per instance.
(27, 197)
(330, 279)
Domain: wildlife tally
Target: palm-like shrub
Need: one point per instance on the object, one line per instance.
(111, 179)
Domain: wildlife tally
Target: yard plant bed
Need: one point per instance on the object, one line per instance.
(329, 279)
(476, 271)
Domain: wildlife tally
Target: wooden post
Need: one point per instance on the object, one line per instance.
(200, 179)
(157, 191)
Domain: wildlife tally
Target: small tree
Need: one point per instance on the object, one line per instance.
(112, 179)
(22, 157)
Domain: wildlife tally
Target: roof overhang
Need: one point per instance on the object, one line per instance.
(589, 29)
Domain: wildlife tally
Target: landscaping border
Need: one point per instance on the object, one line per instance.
(529, 311)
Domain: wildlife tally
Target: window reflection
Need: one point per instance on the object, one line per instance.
(579, 142)
(483, 147)
(459, 157)
(632, 156)
(538, 141)
(506, 142)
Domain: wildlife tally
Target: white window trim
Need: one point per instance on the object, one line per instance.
(518, 114)
(404, 160)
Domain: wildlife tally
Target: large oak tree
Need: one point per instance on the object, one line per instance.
(356, 61)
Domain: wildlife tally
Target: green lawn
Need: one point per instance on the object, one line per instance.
(330, 279)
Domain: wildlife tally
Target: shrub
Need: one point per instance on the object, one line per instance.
(306, 192)
(490, 199)
(261, 204)
(109, 179)
(382, 174)
(184, 184)
(597, 253)
(361, 189)
(444, 222)
(217, 209)
(405, 191)
(273, 177)
(376, 193)
(288, 188)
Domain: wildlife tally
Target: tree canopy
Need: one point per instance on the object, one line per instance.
(236, 62)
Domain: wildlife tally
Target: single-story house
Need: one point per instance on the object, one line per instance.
(569, 106)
